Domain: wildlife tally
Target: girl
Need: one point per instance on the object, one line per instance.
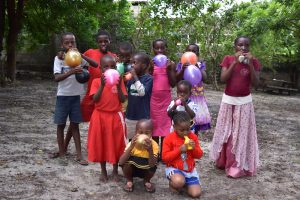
(106, 136)
(179, 156)
(234, 146)
(202, 119)
(163, 79)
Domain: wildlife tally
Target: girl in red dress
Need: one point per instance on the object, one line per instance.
(106, 136)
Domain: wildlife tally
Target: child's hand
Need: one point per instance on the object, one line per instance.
(103, 80)
(75, 70)
(148, 145)
(183, 148)
(237, 55)
(249, 56)
(171, 65)
(185, 65)
(133, 140)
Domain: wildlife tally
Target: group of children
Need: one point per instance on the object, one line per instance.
(148, 105)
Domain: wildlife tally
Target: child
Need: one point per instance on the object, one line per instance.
(163, 80)
(68, 98)
(103, 41)
(179, 156)
(234, 146)
(202, 119)
(140, 163)
(186, 104)
(139, 92)
(106, 135)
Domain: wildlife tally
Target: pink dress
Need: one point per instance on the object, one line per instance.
(160, 100)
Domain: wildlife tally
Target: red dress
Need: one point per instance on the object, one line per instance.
(106, 135)
(87, 104)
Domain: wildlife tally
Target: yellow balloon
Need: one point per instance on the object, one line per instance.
(140, 141)
(73, 58)
(186, 140)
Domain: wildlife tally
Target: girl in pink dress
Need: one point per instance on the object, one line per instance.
(234, 146)
(163, 79)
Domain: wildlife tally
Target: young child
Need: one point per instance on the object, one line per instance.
(163, 79)
(185, 103)
(140, 163)
(179, 155)
(203, 118)
(234, 146)
(139, 92)
(106, 135)
(103, 41)
(68, 98)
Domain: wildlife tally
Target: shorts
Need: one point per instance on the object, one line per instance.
(191, 178)
(67, 106)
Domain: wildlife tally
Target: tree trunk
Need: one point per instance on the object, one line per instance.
(2, 23)
(15, 15)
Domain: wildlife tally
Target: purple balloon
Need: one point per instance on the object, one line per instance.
(160, 60)
(111, 77)
(192, 74)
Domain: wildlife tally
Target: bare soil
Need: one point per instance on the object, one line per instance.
(27, 135)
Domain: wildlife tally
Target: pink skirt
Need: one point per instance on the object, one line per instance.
(159, 103)
(234, 146)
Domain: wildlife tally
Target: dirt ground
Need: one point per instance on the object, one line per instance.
(28, 135)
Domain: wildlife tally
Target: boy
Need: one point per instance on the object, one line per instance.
(137, 162)
(139, 92)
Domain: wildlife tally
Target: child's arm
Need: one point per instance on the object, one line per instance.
(179, 74)
(63, 76)
(254, 74)
(172, 108)
(141, 89)
(188, 109)
(226, 72)
(89, 60)
(152, 160)
(121, 95)
(125, 156)
(171, 72)
(98, 94)
(169, 154)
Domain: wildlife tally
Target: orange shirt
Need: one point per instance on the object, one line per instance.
(171, 154)
(109, 100)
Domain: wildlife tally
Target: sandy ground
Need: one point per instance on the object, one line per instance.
(28, 135)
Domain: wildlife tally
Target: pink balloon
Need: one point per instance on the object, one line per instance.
(178, 102)
(112, 77)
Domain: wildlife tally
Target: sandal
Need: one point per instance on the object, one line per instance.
(149, 187)
(128, 187)
(81, 161)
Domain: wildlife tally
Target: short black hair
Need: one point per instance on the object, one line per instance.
(239, 37)
(64, 34)
(126, 46)
(159, 40)
(185, 83)
(196, 45)
(107, 56)
(181, 116)
(144, 121)
(144, 58)
(102, 32)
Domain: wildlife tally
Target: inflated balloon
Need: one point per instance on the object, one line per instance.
(112, 77)
(83, 76)
(128, 76)
(192, 74)
(141, 141)
(127, 67)
(186, 141)
(178, 102)
(160, 60)
(189, 57)
(120, 68)
(73, 58)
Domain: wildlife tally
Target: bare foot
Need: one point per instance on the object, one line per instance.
(115, 177)
(103, 177)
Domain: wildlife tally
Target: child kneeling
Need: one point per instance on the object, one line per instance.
(140, 160)
(180, 148)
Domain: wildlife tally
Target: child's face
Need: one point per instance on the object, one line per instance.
(243, 45)
(183, 92)
(68, 42)
(182, 128)
(159, 48)
(108, 63)
(193, 48)
(103, 43)
(124, 56)
(138, 65)
(144, 128)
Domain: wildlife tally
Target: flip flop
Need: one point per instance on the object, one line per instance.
(128, 188)
(150, 188)
(81, 161)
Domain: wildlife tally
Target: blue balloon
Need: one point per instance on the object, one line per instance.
(83, 76)
(193, 75)
(160, 60)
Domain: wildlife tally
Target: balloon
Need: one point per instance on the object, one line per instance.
(160, 60)
(128, 76)
(73, 58)
(112, 77)
(83, 76)
(120, 68)
(178, 102)
(189, 57)
(140, 141)
(192, 74)
(186, 140)
(127, 67)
